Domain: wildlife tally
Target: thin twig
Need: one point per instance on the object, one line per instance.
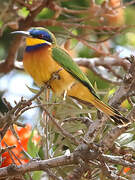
(61, 129)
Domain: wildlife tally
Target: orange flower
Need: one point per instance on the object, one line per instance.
(126, 170)
(10, 140)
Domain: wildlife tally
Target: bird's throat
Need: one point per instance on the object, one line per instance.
(34, 43)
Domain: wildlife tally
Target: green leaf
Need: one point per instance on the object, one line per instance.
(24, 12)
(32, 148)
(37, 175)
(35, 91)
(74, 42)
(125, 138)
(45, 13)
(131, 145)
(99, 1)
(55, 137)
(1, 23)
(41, 153)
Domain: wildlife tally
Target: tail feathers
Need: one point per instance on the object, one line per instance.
(108, 110)
(113, 113)
(119, 119)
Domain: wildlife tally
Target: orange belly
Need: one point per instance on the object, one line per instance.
(40, 65)
(79, 91)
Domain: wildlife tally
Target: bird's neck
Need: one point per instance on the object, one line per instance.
(34, 44)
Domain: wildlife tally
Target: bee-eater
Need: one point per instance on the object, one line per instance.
(42, 57)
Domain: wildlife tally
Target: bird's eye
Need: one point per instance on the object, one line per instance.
(41, 36)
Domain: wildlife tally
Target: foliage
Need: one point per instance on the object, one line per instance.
(23, 141)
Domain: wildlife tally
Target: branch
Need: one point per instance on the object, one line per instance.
(126, 88)
(37, 165)
(61, 129)
(118, 160)
(94, 127)
(107, 63)
(108, 141)
(8, 64)
(14, 113)
(78, 171)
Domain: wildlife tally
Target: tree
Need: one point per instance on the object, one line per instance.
(71, 140)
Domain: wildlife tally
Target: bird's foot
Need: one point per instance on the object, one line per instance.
(55, 75)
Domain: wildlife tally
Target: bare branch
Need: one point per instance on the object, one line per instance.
(34, 165)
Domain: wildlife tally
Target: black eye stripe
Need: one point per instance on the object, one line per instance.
(40, 34)
(48, 39)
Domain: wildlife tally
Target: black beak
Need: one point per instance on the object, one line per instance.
(27, 33)
(23, 33)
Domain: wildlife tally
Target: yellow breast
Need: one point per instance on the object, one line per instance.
(40, 65)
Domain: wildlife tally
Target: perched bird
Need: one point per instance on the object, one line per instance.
(42, 57)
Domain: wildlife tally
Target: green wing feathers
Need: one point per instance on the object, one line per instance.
(65, 60)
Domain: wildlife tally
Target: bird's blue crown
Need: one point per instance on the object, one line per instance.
(42, 34)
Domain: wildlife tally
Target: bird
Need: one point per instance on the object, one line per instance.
(43, 57)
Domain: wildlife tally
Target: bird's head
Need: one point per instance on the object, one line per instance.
(37, 37)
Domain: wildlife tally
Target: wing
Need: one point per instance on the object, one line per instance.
(65, 60)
